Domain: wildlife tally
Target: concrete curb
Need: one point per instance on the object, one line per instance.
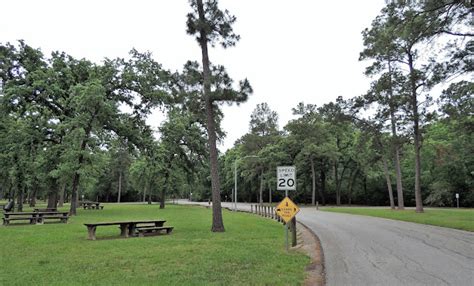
(321, 271)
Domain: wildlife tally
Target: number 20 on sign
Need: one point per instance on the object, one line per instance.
(286, 178)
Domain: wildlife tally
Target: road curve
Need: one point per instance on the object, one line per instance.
(362, 250)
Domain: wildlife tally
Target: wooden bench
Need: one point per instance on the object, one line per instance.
(42, 216)
(34, 217)
(152, 229)
(10, 216)
(127, 228)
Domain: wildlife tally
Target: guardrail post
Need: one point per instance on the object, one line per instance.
(293, 231)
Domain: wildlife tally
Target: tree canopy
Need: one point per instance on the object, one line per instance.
(72, 129)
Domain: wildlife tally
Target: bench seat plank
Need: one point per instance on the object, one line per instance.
(142, 230)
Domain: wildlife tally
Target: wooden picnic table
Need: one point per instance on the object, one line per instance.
(127, 228)
(34, 217)
(92, 205)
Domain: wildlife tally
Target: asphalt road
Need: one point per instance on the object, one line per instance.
(360, 250)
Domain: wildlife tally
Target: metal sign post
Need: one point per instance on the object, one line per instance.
(286, 180)
(457, 199)
(286, 226)
(287, 210)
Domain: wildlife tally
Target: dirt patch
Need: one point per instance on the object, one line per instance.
(309, 244)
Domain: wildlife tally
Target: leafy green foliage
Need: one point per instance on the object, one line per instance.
(70, 127)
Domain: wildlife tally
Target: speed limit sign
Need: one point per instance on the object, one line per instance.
(286, 178)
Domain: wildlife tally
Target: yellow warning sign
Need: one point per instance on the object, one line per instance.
(287, 209)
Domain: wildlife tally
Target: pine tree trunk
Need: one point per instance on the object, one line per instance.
(322, 176)
(269, 193)
(352, 177)
(365, 191)
(19, 187)
(336, 178)
(80, 161)
(261, 187)
(400, 200)
(12, 195)
(162, 198)
(338, 182)
(150, 196)
(217, 221)
(163, 189)
(119, 187)
(61, 196)
(33, 196)
(52, 200)
(417, 135)
(20, 198)
(74, 195)
(389, 183)
(75, 186)
(313, 177)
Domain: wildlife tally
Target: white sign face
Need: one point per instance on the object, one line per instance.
(457, 196)
(286, 178)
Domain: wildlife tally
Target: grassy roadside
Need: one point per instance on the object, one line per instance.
(453, 218)
(250, 252)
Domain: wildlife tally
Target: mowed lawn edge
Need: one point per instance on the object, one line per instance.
(462, 219)
(250, 252)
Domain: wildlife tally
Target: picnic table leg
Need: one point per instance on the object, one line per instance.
(131, 229)
(91, 232)
(38, 219)
(124, 230)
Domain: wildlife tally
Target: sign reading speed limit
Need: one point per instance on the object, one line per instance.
(286, 178)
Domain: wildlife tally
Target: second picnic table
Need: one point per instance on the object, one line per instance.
(92, 205)
(36, 217)
(129, 228)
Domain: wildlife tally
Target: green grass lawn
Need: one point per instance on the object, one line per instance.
(452, 218)
(250, 252)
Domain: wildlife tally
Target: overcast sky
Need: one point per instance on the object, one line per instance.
(291, 51)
